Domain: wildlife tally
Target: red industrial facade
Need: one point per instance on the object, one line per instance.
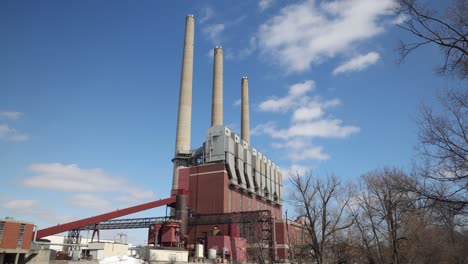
(210, 192)
(15, 240)
(15, 235)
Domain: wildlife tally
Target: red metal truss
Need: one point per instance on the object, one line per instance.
(103, 217)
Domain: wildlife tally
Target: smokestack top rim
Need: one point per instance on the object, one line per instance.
(190, 15)
(218, 47)
(244, 77)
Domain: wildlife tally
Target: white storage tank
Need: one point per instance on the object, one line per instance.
(212, 253)
(199, 251)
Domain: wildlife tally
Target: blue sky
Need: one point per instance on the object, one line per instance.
(89, 93)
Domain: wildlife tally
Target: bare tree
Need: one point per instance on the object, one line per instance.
(323, 203)
(397, 225)
(443, 148)
(448, 31)
(386, 206)
(259, 244)
(368, 224)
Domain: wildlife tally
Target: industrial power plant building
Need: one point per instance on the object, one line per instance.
(226, 183)
(226, 196)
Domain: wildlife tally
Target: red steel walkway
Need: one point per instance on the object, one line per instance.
(100, 218)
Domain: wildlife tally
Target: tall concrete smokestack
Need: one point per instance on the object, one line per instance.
(217, 99)
(245, 118)
(184, 118)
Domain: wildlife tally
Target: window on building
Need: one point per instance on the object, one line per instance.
(21, 235)
(2, 227)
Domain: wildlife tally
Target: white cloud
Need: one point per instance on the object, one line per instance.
(20, 204)
(62, 177)
(314, 109)
(309, 32)
(309, 120)
(91, 201)
(8, 133)
(265, 4)
(308, 113)
(11, 115)
(206, 14)
(31, 208)
(292, 99)
(265, 128)
(324, 128)
(237, 102)
(309, 153)
(295, 168)
(213, 32)
(300, 149)
(232, 54)
(358, 63)
(400, 19)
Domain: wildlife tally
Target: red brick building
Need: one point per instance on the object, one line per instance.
(15, 240)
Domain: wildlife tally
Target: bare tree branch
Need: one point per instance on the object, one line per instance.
(448, 31)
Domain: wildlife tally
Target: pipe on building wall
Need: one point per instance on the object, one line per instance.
(35, 233)
(184, 116)
(60, 244)
(217, 96)
(181, 213)
(245, 115)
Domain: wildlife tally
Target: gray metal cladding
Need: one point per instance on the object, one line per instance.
(248, 169)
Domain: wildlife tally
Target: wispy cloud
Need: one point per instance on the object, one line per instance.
(213, 32)
(400, 19)
(265, 4)
(293, 169)
(323, 128)
(8, 133)
(314, 109)
(11, 115)
(32, 208)
(20, 204)
(300, 149)
(309, 32)
(206, 14)
(237, 102)
(242, 53)
(91, 201)
(357, 63)
(72, 178)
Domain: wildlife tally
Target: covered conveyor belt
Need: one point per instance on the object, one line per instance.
(129, 223)
(103, 217)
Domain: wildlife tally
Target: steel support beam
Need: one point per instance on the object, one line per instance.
(103, 217)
